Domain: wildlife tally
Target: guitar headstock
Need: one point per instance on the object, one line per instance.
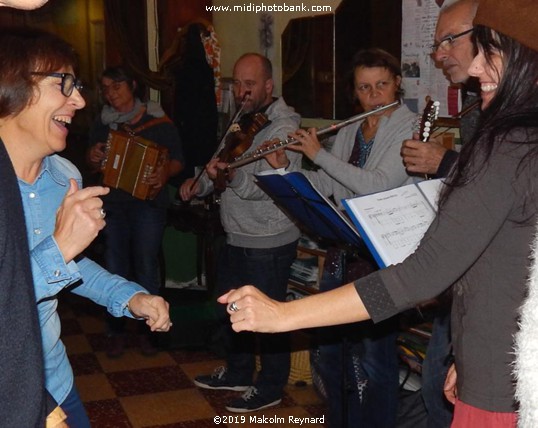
(430, 114)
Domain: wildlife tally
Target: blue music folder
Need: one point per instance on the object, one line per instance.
(303, 203)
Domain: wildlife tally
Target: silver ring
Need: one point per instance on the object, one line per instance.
(233, 307)
(103, 213)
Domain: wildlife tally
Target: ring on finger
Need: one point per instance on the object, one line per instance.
(233, 307)
(102, 213)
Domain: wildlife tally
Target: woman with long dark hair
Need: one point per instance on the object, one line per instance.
(479, 242)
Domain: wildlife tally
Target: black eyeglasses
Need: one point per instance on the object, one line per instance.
(69, 82)
(446, 43)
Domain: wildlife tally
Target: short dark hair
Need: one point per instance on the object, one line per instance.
(119, 73)
(24, 51)
(373, 57)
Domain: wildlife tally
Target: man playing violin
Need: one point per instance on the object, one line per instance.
(260, 244)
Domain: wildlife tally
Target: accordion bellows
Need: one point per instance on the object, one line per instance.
(129, 161)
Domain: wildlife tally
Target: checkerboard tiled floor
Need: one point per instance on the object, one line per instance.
(157, 392)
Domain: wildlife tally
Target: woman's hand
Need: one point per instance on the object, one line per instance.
(79, 219)
(96, 155)
(252, 310)
(450, 389)
(157, 179)
(154, 309)
(277, 158)
(308, 144)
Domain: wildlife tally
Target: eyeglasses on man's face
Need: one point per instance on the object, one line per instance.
(446, 43)
(69, 82)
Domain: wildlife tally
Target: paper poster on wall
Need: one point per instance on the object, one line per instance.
(421, 78)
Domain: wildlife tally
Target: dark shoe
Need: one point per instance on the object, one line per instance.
(218, 380)
(115, 346)
(251, 401)
(147, 345)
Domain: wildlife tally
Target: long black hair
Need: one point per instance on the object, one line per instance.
(515, 105)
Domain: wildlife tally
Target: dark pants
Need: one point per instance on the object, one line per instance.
(133, 240)
(74, 410)
(269, 270)
(358, 363)
(434, 370)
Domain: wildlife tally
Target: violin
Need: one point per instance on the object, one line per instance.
(237, 142)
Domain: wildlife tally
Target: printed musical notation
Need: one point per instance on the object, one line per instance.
(393, 222)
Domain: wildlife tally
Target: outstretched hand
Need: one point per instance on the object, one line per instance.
(252, 310)
(154, 309)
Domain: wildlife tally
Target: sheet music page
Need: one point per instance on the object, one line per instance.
(431, 190)
(393, 221)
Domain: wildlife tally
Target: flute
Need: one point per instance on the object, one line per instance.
(259, 153)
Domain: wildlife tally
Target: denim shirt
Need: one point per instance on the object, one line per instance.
(51, 274)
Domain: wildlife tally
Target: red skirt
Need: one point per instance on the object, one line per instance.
(466, 416)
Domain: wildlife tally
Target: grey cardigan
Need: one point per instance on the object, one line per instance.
(383, 170)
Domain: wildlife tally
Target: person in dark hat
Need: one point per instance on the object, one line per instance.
(479, 243)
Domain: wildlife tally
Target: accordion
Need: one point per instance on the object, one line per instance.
(129, 161)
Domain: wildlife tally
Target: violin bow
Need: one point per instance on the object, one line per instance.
(233, 120)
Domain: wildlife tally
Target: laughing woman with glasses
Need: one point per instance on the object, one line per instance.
(68, 83)
(40, 96)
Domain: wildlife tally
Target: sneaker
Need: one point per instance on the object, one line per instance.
(251, 401)
(218, 380)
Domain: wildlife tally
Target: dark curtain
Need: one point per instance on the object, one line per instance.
(296, 47)
(194, 104)
(126, 19)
